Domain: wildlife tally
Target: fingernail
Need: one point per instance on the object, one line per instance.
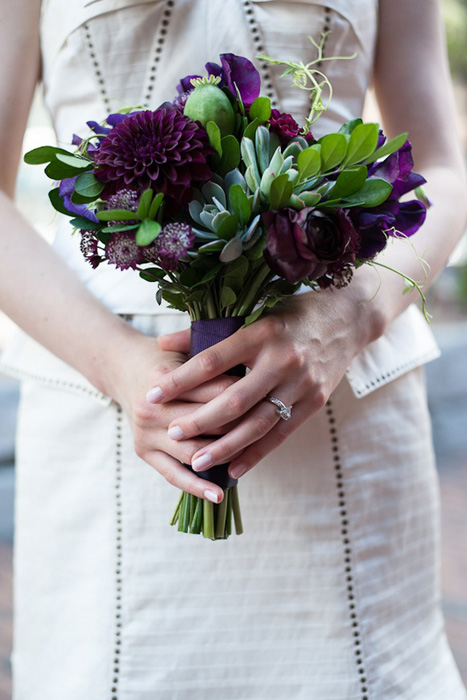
(202, 462)
(154, 395)
(176, 433)
(238, 471)
(211, 496)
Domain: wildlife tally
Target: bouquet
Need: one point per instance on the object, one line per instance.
(229, 206)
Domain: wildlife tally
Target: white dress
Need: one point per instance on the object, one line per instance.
(332, 593)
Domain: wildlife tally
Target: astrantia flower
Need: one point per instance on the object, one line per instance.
(163, 149)
(123, 251)
(89, 248)
(171, 245)
(308, 244)
(285, 127)
(123, 199)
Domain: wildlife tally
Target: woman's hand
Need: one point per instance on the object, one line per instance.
(298, 354)
(144, 366)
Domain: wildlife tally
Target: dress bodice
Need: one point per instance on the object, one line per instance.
(102, 55)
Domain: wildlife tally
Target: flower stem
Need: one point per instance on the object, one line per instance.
(236, 511)
(208, 519)
(221, 516)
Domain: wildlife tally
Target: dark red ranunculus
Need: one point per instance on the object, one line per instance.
(309, 244)
(285, 127)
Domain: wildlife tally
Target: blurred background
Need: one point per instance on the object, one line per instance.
(446, 377)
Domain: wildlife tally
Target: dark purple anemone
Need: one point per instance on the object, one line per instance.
(164, 150)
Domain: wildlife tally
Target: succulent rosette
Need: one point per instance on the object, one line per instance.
(228, 206)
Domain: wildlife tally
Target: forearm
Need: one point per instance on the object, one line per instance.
(44, 297)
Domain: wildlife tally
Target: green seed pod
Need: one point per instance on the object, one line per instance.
(208, 103)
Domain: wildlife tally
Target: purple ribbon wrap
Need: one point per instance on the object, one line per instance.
(205, 334)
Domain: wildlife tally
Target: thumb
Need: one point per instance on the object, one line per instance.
(176, 342)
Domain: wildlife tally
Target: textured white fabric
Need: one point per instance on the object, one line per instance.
(331, 593)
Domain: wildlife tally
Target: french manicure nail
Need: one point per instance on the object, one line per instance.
(202, 462)
(211, 496)
(154, 395)
(176, 433)
(238, 471)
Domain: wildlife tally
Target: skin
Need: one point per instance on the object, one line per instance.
(300, 353)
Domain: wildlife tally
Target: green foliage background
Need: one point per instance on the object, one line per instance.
(455, 19)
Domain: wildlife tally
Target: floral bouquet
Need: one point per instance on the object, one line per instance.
(229, 206)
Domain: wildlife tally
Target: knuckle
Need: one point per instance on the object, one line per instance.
(167, 474)
(320, 396)
(238, 402)
(255, 455)
(270, 327)
(263, 424)
(209, 361)
(281, 435)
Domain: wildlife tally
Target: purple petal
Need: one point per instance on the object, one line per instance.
(66, 189)
(185, 84)
(411, 216)
(241, 72)
(98, 128)
(214, 69)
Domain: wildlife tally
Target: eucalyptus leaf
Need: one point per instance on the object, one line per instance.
(261, 109)
(74, 161)
(280, 192)
(43, 154)
(88, 185)
(57, 202)
(147, 232)
(85, 224)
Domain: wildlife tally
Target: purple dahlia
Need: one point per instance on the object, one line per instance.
(171, 245)
(164, 150)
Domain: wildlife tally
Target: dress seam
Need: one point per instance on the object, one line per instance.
(116, 662)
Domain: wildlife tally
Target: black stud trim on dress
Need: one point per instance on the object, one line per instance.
(159, 47)
(347, 549)
(258, 42)
(326, 29)
(118, 554)
(96, 65)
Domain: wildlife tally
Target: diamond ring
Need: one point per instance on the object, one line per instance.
(285, 412)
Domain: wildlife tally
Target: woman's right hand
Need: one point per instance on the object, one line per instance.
(141, 369)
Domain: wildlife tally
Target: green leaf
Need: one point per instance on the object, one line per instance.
(156, 205)
(175, 301)
(230, 155)
(88, 185)
(261, 109)
(333, 150)
(255, 315)
(119, 229)
(374, 192)
(262, 143)
(152, 274)
(387, 148)
(228, 226)
(60, 171)
(147, 232)
(362, 144)
(237, 268)
(348, 182)
(79, 199)
(144, 204)
(212, 247)
(227, 297)
(250, 130)
(240, 204)
(211, 273)
(280, 192)
(57, 202)
(231, 251)
(116, 215)
(191, 276)
(309, 162)
(85, 224)
(44, 154)
(214, 134)
(74, 161)
(349, 126)
(310, 199)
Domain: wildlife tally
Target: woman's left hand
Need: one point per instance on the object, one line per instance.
(297, 354)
